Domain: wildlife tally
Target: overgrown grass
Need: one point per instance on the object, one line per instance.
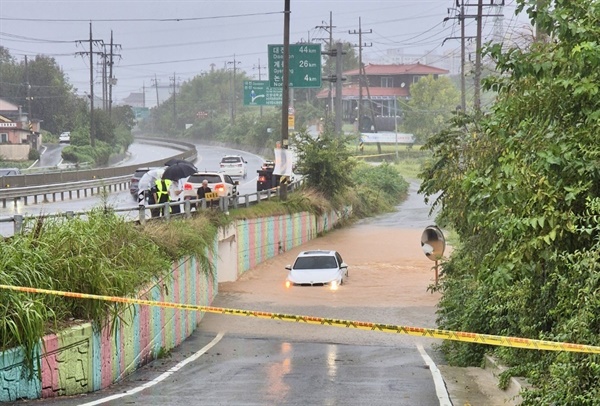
(100, 254)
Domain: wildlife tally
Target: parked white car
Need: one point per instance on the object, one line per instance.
(317, 268)
(234, 165)
(218, 182)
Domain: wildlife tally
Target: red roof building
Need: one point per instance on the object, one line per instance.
(382, 86)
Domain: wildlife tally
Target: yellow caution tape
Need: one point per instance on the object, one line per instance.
(514, 342)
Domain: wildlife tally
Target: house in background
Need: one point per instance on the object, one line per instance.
(382, 87)
(17, 134)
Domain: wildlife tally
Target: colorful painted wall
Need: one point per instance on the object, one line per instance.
(262, 238)
(80, 360)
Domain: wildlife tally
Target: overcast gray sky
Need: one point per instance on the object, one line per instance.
(183, 38)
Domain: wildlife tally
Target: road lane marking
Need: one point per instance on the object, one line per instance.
(161, 377)
(438, 380)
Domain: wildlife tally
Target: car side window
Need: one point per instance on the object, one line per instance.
(339, 258)
(228, 179)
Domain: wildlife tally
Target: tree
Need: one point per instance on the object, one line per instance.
(123, 116)
(325, 162)
(53, 101)
(432, 103)
(521, 187)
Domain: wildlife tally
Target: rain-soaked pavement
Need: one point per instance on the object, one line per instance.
(250, 361)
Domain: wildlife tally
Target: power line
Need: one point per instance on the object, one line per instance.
(113, 20)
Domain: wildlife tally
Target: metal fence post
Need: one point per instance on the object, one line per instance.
(142, 214)
(18, 223)
(187, 208)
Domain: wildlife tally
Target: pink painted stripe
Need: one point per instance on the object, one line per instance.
(177, 274)
(50, 373)
(106, 360)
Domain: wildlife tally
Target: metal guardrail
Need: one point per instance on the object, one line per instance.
(56, 183)
(189, 152)
(142, 214)
(71, 189)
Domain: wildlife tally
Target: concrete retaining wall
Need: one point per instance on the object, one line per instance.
(80, 360)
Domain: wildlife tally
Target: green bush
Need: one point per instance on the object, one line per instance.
(33, 155)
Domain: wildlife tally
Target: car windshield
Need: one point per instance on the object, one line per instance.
(231, 160)
(315, 262)
(198, 178)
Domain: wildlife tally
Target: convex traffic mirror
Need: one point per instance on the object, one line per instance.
(433, 243)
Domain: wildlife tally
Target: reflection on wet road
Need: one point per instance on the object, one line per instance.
(411, 213)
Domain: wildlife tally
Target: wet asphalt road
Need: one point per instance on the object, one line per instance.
(289, 363)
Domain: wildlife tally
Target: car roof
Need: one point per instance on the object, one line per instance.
(208, 173)
(316, 253)
(10, 171)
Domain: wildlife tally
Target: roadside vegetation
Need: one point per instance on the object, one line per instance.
(520, 187)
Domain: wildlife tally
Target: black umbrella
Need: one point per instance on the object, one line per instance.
(178, 171)
(174, 161)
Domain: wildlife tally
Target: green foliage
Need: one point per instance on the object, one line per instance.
(33, 155)
(433, 102)
(205, 97)
(520, 186)
(104, 129)
(53, 99)
(123, 138)
(123, 116)
(325, 162)
(378, 189)
(97, 155)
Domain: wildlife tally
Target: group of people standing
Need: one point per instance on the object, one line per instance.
(166, 190)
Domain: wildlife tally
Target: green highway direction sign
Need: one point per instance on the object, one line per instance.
(304, 65)
(259, 93)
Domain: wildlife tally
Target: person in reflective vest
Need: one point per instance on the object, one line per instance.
(160, 194)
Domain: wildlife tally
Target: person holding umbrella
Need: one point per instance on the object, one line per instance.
(145, 184)
(174, 161)
(176, 173)
(160, 194)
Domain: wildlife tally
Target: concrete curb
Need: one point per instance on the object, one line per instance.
(515, 385)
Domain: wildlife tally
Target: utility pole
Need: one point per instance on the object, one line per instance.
(234, 63)
(30, 137)
(259, 78)
(92, 140)
(361, 70)
(91, 55)
(339, 57)
(477, 72)
(111, 79)
(463, 97)
(329, 28)
(477, 78)
(285, 91)
(28, 86)
(174, 79)
(155, 82)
